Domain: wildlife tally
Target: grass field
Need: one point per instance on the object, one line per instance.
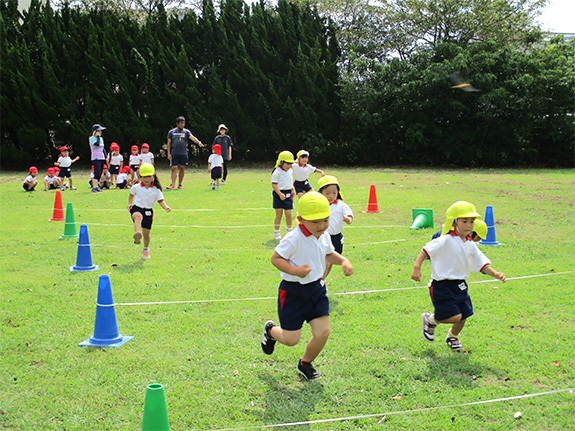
(217, 246)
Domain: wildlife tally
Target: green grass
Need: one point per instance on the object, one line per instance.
(207, 355)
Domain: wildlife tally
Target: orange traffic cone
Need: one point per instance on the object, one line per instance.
(372, 204)
(58, 214)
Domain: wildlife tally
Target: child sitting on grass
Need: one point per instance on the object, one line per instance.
(301, 256)
(51, 182)
(453, 255)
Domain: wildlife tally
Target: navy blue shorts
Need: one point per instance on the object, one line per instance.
(122, 185)
(302, 186)
(134, 168)
(65, 172)
(179, 160)
(147, 216)
(216, 173)
(298, 303)
(27, 187)
(337, 241)
(287, 203)
(114, 169)
(450, 298)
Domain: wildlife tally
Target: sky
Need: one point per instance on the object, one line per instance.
(558, 16)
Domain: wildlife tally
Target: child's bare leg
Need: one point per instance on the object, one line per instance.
(137, 217)
(457, 324)
(71, 182)
(320, 333)
(146, 233)
(285, 337)
(278, 219)
(288, 219)
(328, 267)
(300, 194)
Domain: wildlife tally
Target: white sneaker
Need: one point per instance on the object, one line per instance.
(277, 235)
(223, 182)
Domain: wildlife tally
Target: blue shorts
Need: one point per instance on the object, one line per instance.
(65, 172)
(286, 204)
(216, 173)
(147, 215)
(134, 168)
(298, 303)
(337, 241)
(450, 298)
(302, 186)
(179, 160)
(114, 169)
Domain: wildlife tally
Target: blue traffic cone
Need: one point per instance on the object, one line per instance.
(106, 332)
(84, 257)
(490, 240)
(422, 218)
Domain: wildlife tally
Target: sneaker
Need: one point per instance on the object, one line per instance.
(146, 253)
(137, 237)
(180, 186)
(268, 343)
(428, 329)
(63, 188)
(453, 343)
(171, 187)
(73, 188)
(277, 235)
(308, 371)
(95, 190)
(213, 186)
(223, 182)
(217, 188)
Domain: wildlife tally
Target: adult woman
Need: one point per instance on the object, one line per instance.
(98, 156)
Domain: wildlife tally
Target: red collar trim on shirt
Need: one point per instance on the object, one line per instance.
(453, 233)
(304, 230)
(334, 202)
(302, 166)
(142, 184)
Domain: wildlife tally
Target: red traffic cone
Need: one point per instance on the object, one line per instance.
(372, 204)
(58, 214)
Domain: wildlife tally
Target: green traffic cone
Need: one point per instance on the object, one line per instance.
(422, 218)
(155, 410)
(70, 225)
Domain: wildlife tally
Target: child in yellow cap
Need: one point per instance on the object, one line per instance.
(282, 184)
(453, 255)
(143, 197)
(301, 256)
(301, 172)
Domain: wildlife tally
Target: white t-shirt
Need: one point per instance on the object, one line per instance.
(300, 248)
(50, 180)
(134, 160)
(283, 179)
(116, 160)
(146, 197)
(216, 161)
(453, 259)
(29, 179)
(120, 178)
(146, 157)
(65, 162)
(106, 177)
(302, 173)
(338, 209)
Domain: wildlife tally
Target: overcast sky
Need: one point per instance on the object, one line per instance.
(559, 16)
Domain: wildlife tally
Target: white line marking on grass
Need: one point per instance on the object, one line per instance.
(267, 226)
(400, 412)
(359, 292)
(187, 209)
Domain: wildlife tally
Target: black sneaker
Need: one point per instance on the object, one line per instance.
(308, 371)
(268, 343)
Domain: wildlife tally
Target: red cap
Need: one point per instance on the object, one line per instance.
(33, 169)
(218, 149)
(56, 169)
(50, 170)
(114, 146)
(135, 147)
(105, 167)
(125, 169)
(144, 145)
(92, 167)
(63, 149)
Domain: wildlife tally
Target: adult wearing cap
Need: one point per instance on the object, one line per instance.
(98, 155)
(178, 150)
(224, 141)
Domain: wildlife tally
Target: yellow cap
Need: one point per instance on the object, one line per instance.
(459, 209)
(326, 180)
(284, 156)
(303, 153)
(147, 169)
(480, 228)
(313, 206)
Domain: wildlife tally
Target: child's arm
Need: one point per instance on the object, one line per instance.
(319, 171)
(56, 164)
(347, 219)
(121, 164)
(165, 206)
(416, 274)
(75, 159)
(280, 194)
(337, 259)
(209, 167)
(494, 273)
(45, 185)
(284, 266)
(130, 201)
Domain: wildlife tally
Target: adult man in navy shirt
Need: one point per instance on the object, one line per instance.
(178, 150)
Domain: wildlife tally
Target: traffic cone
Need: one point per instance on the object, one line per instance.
(372, 204)
(106, 332)
(70, 225)
(489, 221)
(58, 214)
(422, 218)
(155, 410)
(84, 256)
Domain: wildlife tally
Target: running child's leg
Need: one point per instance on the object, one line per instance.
(285, 337)
(146, 233)
(137, 217)
(320, 333)
(457, 327)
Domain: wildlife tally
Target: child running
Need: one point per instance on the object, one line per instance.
(301, 172)
(340, 213)
(142, 198)
(301, 257)
(479, 231)
(65, 164)
(453, 255)
(215, 164)
(282, 184)
(30, 182)
(115, 161)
